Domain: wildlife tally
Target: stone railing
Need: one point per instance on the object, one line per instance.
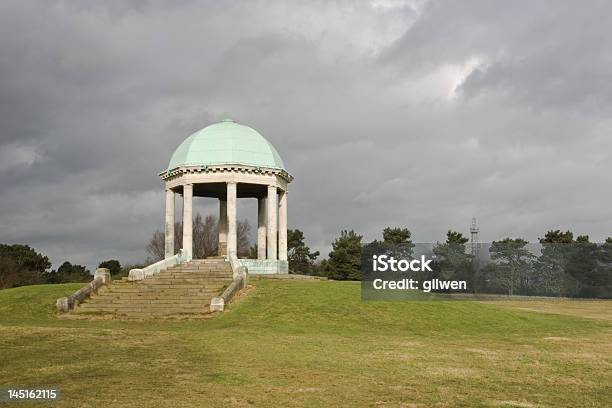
(101, 277)
(157, 267)
(240, 273)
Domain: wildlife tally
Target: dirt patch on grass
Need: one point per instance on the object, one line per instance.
(482, 352)
(554, 338)
(307, 389)
(458, 372)
(242, 293)
(515, 404)
(590, 309)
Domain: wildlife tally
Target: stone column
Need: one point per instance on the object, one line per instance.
(272, 210)
(187, 220)
(261, 228)
(282, 226)
(232, 239)
(169, 247)
(222, 227)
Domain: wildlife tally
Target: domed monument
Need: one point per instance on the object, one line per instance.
(227, 161)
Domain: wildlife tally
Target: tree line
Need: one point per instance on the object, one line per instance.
(21, 265)
(559, 266)
(564, 266)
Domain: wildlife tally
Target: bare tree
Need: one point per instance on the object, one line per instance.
(178, 236)
(243, 228)
(205, 236)
(156, 247)
(205, 239)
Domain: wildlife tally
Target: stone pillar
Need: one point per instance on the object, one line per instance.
(222, 227)
(261, 228)
(169, 247)
(282, 226)
(272, 210)
(187, 220)
(104, 274)
(232, 239)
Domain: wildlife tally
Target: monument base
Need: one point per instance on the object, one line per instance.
(265, 266)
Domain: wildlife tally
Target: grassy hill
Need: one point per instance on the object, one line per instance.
(303, 343)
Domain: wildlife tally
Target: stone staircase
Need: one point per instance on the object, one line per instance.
(185, 289)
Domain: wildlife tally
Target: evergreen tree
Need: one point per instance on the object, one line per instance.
(582, 266)
(345, 258)
(398, 240)
(301, 260)
(512, 263)
(549, 276)
(569, 267)
(397, 236)
(25, 257)
(68, 272)
(452, 261)
(21, 265)
(112, 265)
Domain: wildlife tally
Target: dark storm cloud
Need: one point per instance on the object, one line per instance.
(414, 113)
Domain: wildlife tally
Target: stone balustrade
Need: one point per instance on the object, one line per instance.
(240, 274)
(101, 277)
(157, 267)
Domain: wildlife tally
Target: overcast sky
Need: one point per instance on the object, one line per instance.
(409, 113)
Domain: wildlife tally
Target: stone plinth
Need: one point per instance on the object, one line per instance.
(264, 266)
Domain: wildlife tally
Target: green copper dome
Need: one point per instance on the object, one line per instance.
(226, 142)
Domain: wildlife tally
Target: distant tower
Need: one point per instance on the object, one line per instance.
(474, 230)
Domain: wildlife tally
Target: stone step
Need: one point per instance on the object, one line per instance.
(161, 286)
(225, 274)
(152, 303)
(178, 278)
(215, 272)
(171, 281)
(156, 305)
(177, 283)
(189, 276)
(185, 289)
(202, 267)
(197, 270)
(204, 264)
(169, 308)
(191, 291)
(195, 298)
(167, 293)
(195, 279)
(152, 296)
(145, 314)
(165, 286)
(123, 308)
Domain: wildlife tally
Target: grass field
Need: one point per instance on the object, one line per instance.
(303, 343)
